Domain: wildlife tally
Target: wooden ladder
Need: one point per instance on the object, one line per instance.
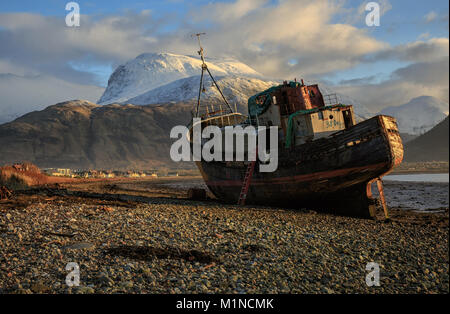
(246, 183)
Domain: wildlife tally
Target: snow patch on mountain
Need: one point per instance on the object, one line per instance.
(152, 70)
(419, 115)
(156, 78)
(236, 89)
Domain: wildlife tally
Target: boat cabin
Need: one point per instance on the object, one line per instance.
(301, 111)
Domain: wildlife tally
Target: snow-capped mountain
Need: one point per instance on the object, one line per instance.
(236, 89)
(418, 115)
(164, 77)
(151, 70)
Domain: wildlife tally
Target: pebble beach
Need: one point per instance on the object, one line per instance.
(174, 245)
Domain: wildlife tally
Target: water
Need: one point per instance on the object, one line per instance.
(423, 177)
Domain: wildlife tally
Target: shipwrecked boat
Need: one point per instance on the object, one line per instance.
(326, 160)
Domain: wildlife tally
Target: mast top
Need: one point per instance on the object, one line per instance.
(201, 88)
(200, 52)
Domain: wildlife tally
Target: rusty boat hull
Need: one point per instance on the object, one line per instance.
(333, 174)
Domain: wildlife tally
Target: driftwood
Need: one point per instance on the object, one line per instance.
(5, 193)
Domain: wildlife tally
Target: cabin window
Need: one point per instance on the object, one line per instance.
(320, 114)
(331, 116)
(274, 100)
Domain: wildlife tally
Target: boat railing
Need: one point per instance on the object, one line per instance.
(331, 99)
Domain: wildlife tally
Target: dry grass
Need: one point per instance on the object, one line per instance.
(23, 176)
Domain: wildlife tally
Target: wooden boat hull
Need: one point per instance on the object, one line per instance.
(331, 174)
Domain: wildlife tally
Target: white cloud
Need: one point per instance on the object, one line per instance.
(258, 32)
(430, 17)
(424, 36)
(229, 11)
(268, 37)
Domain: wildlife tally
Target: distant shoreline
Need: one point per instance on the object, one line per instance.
(424, 167)
(430, 171)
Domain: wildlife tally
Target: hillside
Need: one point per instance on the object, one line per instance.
(431, 146)
(81, 134)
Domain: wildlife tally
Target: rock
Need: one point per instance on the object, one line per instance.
(84, 290)
(104, 280)
(126, 284)
(79, 246)
(39, 287)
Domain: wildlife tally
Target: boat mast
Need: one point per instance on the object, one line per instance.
(205, 68)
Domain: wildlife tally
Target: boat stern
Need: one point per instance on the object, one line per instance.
(393, 139)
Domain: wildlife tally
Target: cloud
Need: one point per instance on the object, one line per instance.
(265, 35)
(425, 73)
(46, 45)
(417, 79)
(230, 11)
(42, 60)
(281, 39)
(419, 51)
(359, 81)
(424, 36)
(22, 94)
(430, 17)
(269, 37)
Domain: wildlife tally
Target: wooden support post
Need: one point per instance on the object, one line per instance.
(383, 200)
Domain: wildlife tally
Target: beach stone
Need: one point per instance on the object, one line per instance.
(85, 290)
(80, 246)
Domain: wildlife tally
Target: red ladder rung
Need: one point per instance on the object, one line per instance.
(246, 183)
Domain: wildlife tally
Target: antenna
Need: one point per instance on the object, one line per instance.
(200, 52)
(205, 67)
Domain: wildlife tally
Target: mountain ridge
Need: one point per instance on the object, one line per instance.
(80, 134)
(431, 146)
(419, 115)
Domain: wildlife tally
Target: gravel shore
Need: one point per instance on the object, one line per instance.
(169, 245)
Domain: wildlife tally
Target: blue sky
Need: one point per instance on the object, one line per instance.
(324, 40)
